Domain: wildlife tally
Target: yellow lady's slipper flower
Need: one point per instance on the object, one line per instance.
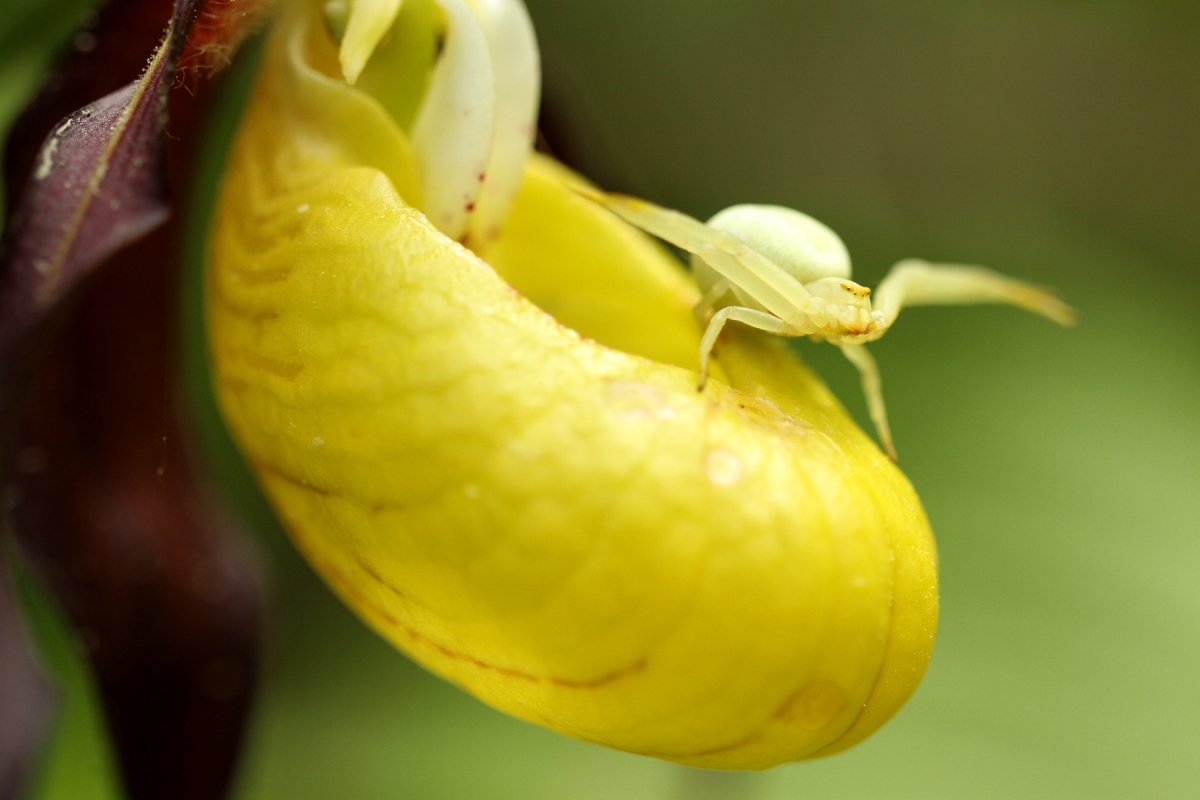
(498, 456)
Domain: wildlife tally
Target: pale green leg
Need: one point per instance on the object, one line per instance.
(749, 270)
(919, 283)
(747, 316)
(873, 389)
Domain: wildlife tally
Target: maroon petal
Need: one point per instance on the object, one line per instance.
(116, 523)
(106, 505)
(96, 184)
(24, 695)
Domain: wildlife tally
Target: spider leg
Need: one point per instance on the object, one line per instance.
(758, 276)
(917, 283)
(861, 358)
(710, 299)
(747, 316)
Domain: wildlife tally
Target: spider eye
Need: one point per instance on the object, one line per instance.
(841, 292)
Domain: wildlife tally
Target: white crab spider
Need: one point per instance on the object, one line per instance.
(782, 272)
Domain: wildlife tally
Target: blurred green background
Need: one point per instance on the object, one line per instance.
(1056, 140)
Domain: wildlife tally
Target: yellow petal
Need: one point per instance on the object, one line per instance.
(542, 508)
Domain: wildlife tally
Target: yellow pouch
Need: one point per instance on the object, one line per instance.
(521, 487)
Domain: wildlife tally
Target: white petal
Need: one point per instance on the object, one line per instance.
(452, 135)
(517, 69)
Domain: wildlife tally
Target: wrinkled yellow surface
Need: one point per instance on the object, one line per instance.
(542, 508)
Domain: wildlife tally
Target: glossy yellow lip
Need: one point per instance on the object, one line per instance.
(521, 487)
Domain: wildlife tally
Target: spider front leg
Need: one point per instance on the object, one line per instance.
(737, 262)
(919, 283)
(747, 316)
(858, 355)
